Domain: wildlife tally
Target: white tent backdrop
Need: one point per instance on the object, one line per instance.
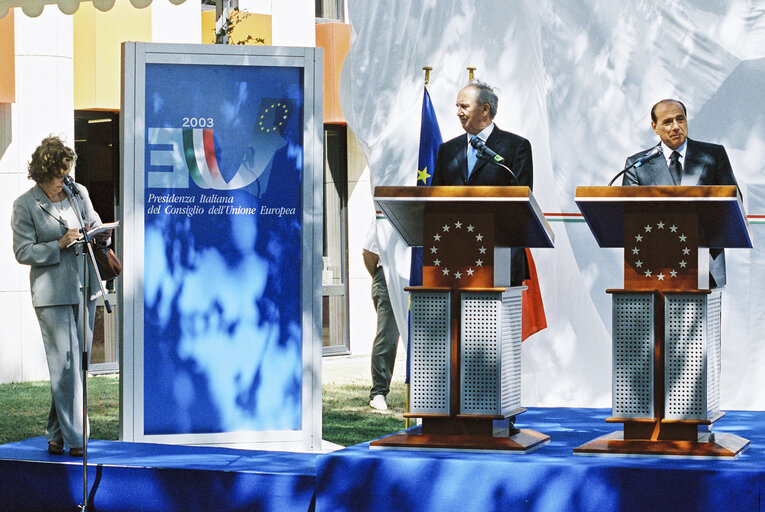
(578, 79)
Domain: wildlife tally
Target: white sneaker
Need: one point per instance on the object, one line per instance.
(378, 402)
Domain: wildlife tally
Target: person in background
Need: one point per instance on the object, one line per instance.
(45, 231)
(386, 338)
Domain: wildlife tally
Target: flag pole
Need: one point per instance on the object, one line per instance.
(408, 421)
(471, 73)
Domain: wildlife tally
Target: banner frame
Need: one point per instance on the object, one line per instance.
(135, 57)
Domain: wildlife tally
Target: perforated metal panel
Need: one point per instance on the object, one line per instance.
(633, 352)
(685, 352)
(480, 336)
(511, 349)
(490, 352)
(714, 358)
(430, 369)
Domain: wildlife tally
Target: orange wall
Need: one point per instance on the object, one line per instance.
(335, 38)
(7, 59)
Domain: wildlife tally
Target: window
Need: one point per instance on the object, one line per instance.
(330, 9)
(335, 338)
(96, 141)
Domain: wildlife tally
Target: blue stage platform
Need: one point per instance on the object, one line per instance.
(127, 476)
(136, 476)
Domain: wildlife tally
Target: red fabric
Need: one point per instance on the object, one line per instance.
(533, 311)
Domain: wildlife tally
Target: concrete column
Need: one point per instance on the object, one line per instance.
(44, 105)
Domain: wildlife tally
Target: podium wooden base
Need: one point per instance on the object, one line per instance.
(525, 441)
(717, 445)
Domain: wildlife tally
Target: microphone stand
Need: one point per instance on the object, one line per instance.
(620, 173)
(89, 256)
(655, 151)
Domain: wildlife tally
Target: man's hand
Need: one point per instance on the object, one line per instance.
(370, 261)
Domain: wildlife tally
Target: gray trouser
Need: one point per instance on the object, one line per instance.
(386, 339)
(62, 335)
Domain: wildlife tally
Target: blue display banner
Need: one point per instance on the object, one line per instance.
(223, 226)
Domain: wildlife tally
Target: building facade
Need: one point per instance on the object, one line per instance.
(61, 75)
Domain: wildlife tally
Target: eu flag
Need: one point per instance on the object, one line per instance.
(430, 139)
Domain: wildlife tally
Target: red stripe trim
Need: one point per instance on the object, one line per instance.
(212, 161)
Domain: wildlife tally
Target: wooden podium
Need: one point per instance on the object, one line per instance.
(666, 320)
(465, 360)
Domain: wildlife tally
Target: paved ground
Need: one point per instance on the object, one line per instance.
(355, 369)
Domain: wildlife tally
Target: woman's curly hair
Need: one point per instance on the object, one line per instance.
(51, 159)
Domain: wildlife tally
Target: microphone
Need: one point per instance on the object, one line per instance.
(483, 149)
(653, 153)
(486, 153)
(69, 182)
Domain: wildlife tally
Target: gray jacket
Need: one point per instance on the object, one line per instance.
(37, 226)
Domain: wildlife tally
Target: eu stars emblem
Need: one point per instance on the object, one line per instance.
(422, 176)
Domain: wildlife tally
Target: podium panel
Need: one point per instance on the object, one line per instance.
(692, 356)
(431, 346)
(633, 355)
(661, 251)
(490, 373)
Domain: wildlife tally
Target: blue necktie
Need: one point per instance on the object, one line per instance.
(472, 157)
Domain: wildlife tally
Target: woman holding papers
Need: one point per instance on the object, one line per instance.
(45, 236)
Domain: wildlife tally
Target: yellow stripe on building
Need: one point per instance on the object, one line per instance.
(98, 37)
(249, 28)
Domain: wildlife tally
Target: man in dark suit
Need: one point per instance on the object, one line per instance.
(458, 164)
(683, 162)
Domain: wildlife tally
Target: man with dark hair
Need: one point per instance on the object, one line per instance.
(684, 162)
(457, 162)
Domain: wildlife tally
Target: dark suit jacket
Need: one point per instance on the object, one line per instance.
(705, 164)
(451, 169)
(451, 162)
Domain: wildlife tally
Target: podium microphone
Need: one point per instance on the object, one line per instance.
(486, 153)
(69, 182)
(655, 151)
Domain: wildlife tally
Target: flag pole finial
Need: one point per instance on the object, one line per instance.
(427, 70)
(471, 73)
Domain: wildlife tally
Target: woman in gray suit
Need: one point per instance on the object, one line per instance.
(45, 228)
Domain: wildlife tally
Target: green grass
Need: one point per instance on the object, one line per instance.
(347, 417)
(25, 408)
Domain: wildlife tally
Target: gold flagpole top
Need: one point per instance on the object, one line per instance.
(427, 70)
(471, 73)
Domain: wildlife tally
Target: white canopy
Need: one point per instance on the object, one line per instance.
(34, 8)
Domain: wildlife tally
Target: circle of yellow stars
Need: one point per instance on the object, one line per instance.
(437, 238)
(636, 251)
(278, 121)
